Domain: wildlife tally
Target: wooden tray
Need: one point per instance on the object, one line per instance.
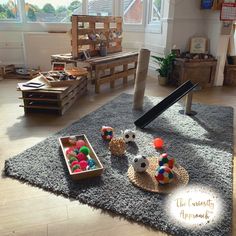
(77, 71)
(60, 83)
(64, 142)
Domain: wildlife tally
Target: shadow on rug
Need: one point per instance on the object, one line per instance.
(202, 145)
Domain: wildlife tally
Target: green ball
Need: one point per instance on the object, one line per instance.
(85, 150)
(72, 159)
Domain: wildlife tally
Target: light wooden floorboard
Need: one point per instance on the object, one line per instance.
(27, 210)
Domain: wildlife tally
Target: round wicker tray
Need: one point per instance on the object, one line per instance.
(146, 180)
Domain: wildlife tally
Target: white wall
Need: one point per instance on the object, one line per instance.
(11, 48)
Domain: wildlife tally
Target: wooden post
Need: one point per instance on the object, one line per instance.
(140, 82)
(74, 34)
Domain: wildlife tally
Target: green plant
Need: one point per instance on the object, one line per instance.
(165, 64)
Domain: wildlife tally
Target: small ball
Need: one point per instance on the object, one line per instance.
(164, 175)
(71, 159)
(85, 150)
(140, 163)
(81, 157)
(166, 160)
(77, 171)
(117, 146)
(83, 165)
(74, 163)
(75, 167)
(129, 135)
(107, 133)
(158, 143)
(69, 150)
(91, 163)
(80, 143)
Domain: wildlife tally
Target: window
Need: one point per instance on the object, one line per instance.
(51, 10)
(133, 11)
(9, 10)
(156, 9)
(100, 7)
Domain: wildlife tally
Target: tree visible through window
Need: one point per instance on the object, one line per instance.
(156, 9)
(52, 11)
(9, 10)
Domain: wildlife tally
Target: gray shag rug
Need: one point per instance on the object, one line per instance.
(203, 145)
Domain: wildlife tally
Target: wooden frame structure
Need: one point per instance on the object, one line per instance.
(83, 26)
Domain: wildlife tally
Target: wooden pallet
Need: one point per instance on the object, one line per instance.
(56, 100)
(126, 60)
(83, 26)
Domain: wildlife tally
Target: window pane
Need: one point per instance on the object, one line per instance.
(133, 11)
(156, 9)
(9, 10)
(100, 7)
(52, 10)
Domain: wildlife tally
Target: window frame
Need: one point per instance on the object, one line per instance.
(118, 10)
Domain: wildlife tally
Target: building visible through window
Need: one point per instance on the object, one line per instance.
(100, 7)
(133, 11)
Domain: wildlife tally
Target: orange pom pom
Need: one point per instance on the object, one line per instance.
(158, 143)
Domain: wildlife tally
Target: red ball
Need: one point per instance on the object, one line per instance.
(74, 163)
(69, 150)
(80, 143)
(158, 143)
(83, 165)
(77, 171)
(81, 157)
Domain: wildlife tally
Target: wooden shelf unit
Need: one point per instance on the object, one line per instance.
(83, 25)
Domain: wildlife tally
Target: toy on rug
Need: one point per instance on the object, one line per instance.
(128, 135)
(158, 143)
(166, 160)
(164, 175)
(117, 146)
(107, 132)
(140, 163)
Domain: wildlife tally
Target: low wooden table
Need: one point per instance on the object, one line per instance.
(58, 99)
(111, 62)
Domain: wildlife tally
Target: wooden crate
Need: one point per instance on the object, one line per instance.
(230, 75)
(64, 142)
(83, 25)
(199, 71)
(53, 99)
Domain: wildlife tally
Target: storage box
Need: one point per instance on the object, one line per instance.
(65, 144)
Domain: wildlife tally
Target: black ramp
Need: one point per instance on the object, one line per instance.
(171, 99)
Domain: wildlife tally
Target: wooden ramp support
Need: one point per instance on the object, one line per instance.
(140, 82)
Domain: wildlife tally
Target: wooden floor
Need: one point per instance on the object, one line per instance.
(27, 210)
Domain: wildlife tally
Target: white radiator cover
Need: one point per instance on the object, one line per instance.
(39, 46)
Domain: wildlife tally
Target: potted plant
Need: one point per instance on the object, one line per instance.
(165, 67)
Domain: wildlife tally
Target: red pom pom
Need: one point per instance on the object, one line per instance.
(83, 165)
(70, 149)
(80, 143)
(158, 143)
(81, 157)
(74, 163)
(77, 171)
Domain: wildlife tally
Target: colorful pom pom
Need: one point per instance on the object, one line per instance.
(74, 163)
(75, 167)
(81, 157)
(80, 143)
(107, 132)
(166, 160)
(83, 165)
(85, 150)
(158, 143)
(77, 171)
(71, 159)
(91, 162)
(164, 175)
